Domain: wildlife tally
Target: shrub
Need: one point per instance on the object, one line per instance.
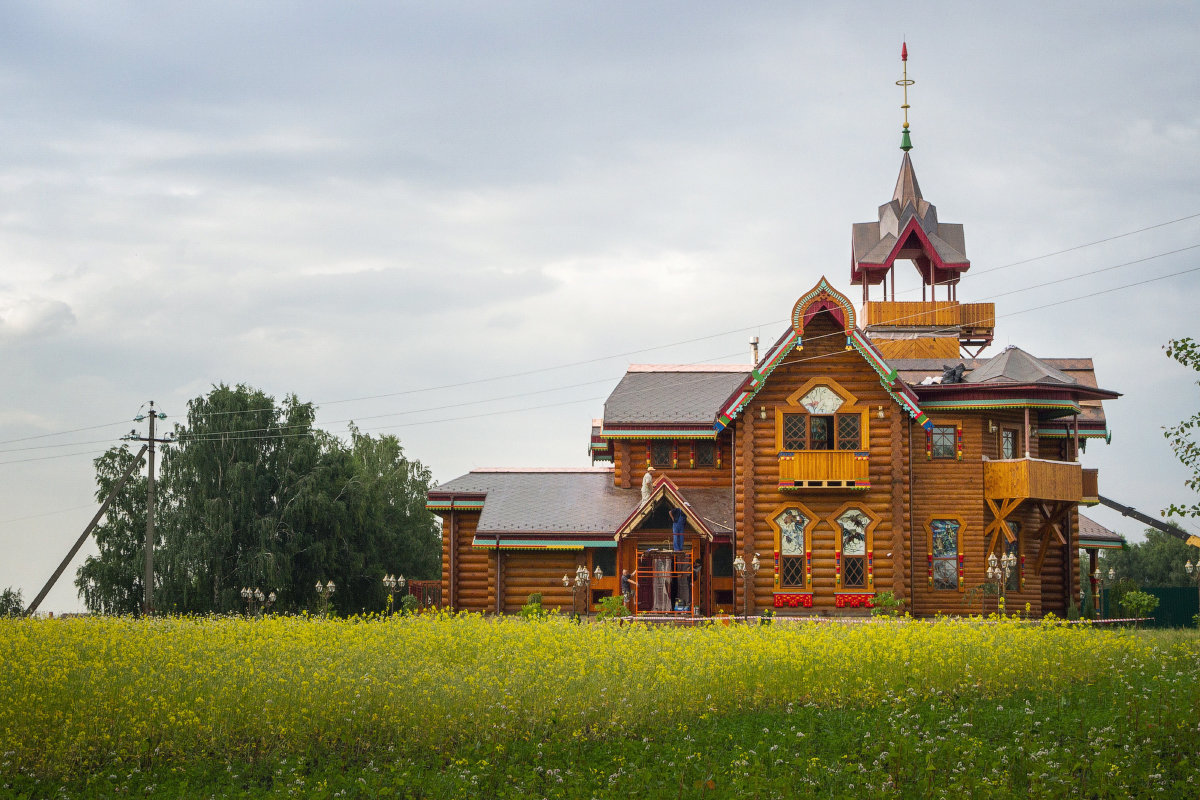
(409, 604)
(612, 607)
(533, 607)
(1139, 604)
(887, 605)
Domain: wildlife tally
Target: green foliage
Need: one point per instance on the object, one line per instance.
(409, 604)
(254, 495)
(612, 607)
(11, 604)
(533, 607)
(1183, 436)
(1139, 604)
(767, 616)
(1158, 561)
(887, 605)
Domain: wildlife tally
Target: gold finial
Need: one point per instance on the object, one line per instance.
(905, 141)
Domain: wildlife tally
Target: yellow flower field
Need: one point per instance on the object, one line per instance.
(81, 694)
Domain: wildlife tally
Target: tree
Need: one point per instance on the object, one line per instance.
(1158, 561)
(1183, 437)
(11, 604)
(252, 495)
(112, 582)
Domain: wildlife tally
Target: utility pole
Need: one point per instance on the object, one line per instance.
(148, 600)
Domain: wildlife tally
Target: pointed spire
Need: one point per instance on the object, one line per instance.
(905, 139)
(908, 191)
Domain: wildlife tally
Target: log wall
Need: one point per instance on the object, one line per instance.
(629, 465)
(758, 498)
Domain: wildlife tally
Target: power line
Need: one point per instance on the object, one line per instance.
(653, 348)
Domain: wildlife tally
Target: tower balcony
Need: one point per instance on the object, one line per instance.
(1035, 479)
(975, 323)
(824, 469)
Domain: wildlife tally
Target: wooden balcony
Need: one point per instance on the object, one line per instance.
(1033, 479)
(974, 322)
(824, 469)
(1091, 487)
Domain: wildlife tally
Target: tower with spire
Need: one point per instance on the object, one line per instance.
(908, 229)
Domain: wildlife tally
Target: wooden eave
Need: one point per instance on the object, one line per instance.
(664, 487)
(873, 273)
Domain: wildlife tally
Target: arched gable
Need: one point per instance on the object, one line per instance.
(823, 297)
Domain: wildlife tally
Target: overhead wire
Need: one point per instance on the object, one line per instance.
(692, 340)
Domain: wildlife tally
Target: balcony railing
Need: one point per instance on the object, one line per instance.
(1029, 478)
(824, 469)
(1091, 487)
(924, 314)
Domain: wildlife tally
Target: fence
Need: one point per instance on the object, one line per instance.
(1176, 606)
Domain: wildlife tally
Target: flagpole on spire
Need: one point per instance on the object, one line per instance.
(905, 140)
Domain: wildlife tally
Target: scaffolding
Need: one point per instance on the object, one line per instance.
(665, 582)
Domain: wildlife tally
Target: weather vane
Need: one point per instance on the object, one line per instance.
(905, 141)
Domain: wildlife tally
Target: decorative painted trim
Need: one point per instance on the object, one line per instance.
(757, 377)
(1067, 433)
(988, 405)
(1101, 544)
(793, 600)
(793, 486)
(854, 599)
(489, 543)
(658, 433)
(826, 295)
(456, 505)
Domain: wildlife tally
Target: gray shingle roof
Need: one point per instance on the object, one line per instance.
(1093, 531)
(581, 501)
(1014, 365)
(674, 397)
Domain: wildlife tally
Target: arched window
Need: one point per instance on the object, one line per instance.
(854, 552)
(793, 525)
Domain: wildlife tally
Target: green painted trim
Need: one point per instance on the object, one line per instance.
(991, 405)
(680, 433)
(541, 544)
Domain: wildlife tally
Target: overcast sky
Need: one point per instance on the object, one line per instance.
(352, 200)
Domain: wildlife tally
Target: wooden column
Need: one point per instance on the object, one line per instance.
(748, 513)
(452, 602)
(1027, 445)
(499, 577)
(898, 485)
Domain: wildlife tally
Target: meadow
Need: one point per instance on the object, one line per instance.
(444, 705)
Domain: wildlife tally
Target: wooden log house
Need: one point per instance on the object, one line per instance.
(870, 449)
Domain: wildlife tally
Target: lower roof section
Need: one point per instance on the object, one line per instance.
(568, 508)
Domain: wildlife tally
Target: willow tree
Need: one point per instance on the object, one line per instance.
(252, 495)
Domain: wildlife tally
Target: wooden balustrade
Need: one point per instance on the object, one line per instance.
(824, 469)
(1091, 486)
(924, 314)
(1028, 478)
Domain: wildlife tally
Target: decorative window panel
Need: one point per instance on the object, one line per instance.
(944, 441)
(660, 453)
(853, 554)
(705, 454)
(793, 558)
(849, 436)
(945, 557)
(795, 431)
(1008, 443)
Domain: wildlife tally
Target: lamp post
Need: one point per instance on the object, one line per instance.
(392, 583)
(1194, 570)
(999, 570)
(256, 601)
(582, 582)
(746, 572)
(325, 592)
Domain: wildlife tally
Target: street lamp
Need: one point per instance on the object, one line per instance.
(393, 582)
(999, 570)
(746, 572)
(325, 592)
(583, 581)
(1194, 569)
(255, 598)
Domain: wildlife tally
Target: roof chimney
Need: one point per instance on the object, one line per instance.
(754, 352)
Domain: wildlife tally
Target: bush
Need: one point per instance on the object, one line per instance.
(533, 607)
(1139, 604)
(409, 604)
(612, 607)
(887, 605)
